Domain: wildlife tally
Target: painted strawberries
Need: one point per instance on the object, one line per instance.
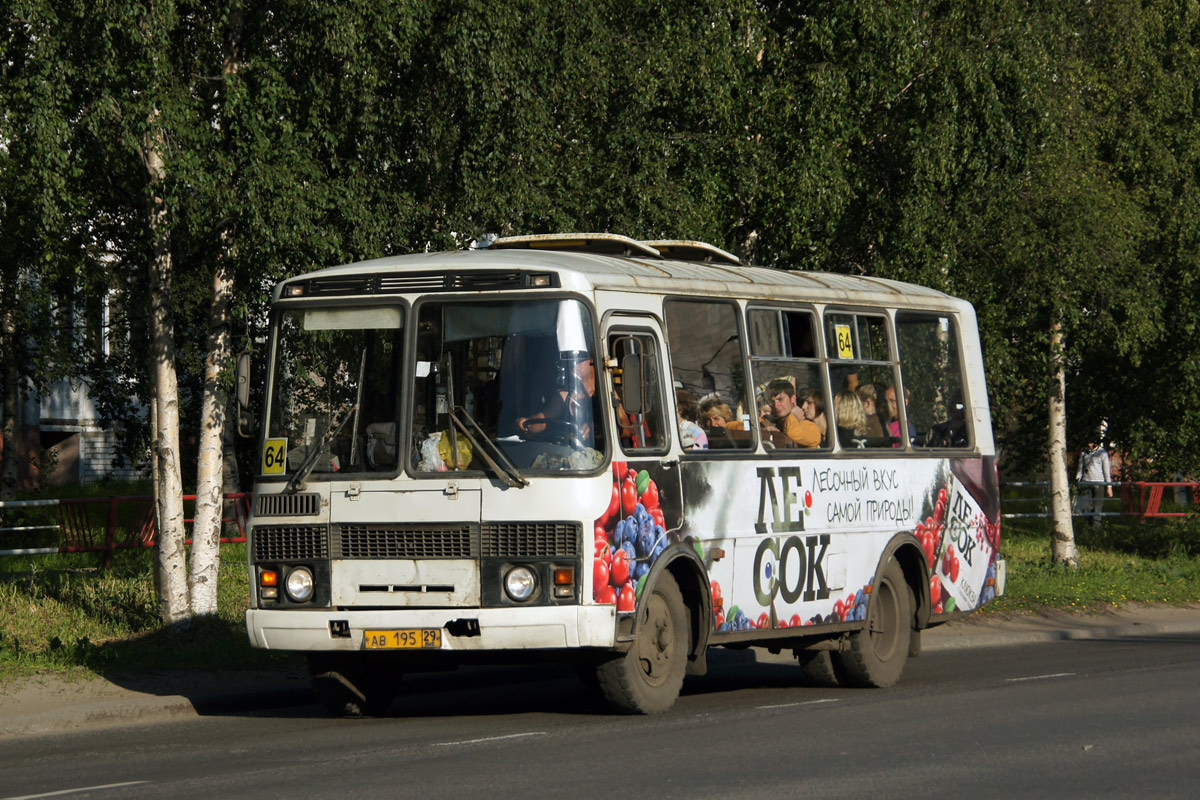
(629, 536)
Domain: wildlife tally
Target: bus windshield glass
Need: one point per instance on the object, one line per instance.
(334, 400)
(514, 376)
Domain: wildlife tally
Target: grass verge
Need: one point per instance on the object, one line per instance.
(65, 615)
(1120, 562)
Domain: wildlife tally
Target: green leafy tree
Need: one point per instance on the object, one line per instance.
(43, 238)
(1148, 123)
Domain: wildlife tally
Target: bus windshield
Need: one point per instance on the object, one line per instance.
(519, 375)
(334, 400)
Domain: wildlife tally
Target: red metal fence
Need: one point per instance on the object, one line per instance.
(1144, 498)
(106, 524)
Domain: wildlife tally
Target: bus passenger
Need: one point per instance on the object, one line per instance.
(782, 396)
(892, 415)
(868, 394)
(812, 408)
(691, 435)
(716, 414)
(952, 432)
(851, 419)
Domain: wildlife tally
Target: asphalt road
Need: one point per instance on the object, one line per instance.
(1112, 717)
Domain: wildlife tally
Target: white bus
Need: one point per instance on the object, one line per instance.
(619, 453)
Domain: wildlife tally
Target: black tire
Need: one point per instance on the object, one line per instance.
(349, 685)
(877, 652)
(817, 666)
(914, 639)
(647, 679)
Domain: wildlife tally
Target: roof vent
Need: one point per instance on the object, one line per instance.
(688, 250)
(609, 244)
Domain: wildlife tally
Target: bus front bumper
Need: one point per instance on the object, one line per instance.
(463, 629)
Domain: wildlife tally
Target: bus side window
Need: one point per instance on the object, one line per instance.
(932, 375)
(641, 423)
(791, 410)
(862, 377)
(707, 362)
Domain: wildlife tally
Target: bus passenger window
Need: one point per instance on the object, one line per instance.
(707, 362)
(862, 372)
(933, 383)
(788, 380)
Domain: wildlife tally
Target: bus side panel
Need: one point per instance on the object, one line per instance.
(797, 543)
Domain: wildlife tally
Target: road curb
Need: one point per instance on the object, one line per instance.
(1053, 625)
(47, 704)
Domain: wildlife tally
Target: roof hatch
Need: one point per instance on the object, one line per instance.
(612, 244)
(609, 244)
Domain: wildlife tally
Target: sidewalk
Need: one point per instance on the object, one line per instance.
(50, 704)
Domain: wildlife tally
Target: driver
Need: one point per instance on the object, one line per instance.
(572, 402)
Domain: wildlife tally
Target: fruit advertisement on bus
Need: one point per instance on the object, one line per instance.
(797, 544)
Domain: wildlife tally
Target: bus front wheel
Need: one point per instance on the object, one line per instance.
(877, 652)
(647, 678)
(348, 686)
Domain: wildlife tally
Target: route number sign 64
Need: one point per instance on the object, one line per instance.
(274, 457)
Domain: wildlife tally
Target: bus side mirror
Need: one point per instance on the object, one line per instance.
(631, 383)
(245, 418)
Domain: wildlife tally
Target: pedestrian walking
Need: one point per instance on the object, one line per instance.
(1093, 477)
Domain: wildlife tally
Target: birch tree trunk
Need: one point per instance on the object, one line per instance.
(1063, 542)
(155, 479)
(206, 531)
(172, 558)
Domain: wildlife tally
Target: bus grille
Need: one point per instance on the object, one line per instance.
(290, 542)
(490, 540)
(287, 505)
(393, 541)
(467, 281)
(530, 539)
(399, 282)
(482, 281)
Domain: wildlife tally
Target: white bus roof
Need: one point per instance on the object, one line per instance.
(581, 268)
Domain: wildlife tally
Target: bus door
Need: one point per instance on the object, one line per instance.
(644, 518)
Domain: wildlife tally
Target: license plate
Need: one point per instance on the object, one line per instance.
(403, 639)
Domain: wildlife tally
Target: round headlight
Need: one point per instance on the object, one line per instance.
(520, 583)
(300, 584)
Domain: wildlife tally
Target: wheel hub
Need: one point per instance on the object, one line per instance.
(657, 641)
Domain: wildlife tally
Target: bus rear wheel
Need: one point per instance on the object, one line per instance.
(817, 667)
(877, 652)
(647, 678)
(348, 686)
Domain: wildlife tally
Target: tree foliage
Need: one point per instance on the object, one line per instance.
(1039, 158)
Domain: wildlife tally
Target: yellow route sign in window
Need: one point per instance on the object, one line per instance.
(845, 341)
(274, 456)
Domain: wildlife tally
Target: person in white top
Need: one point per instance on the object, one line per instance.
(1095, 473)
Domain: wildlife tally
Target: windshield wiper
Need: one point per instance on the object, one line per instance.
(310, 461)
(495, 458)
